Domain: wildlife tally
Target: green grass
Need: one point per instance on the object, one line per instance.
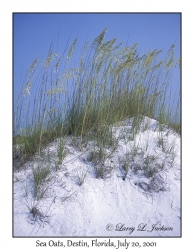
(60, 152)
(81, 176)
(82, 96)
(40, 174)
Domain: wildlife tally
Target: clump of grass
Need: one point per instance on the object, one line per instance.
(31, 206)
(171, 151)
(125, 169)
(161, 141)
(133, 150)
(98, 157)
(60, 152)
(82, 97)
(125, 165)
(102, 171)
(81, 177)
(149, 169)
(40, 174)
(36, 215)
(18, 156)
(103, 136)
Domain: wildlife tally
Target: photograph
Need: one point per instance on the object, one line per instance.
(96, 118)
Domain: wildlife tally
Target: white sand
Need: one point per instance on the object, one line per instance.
(120, 205)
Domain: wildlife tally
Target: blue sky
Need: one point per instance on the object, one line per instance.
(34, 33)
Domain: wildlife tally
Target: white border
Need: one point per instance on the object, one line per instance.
(6, 9)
